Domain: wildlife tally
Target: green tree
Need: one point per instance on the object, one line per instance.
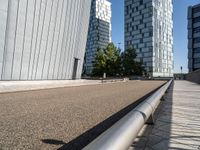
(113, 60)
(107, 61)
(99, 64)
(130, 65)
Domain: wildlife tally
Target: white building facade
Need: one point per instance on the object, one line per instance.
(149, 29)
(194, 37)
(99, 33)
(43, 39)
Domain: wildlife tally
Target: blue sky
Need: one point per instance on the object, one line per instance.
(180, 29)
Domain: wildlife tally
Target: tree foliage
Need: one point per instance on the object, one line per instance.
(99, 64)
(114, 63)
(129, 63)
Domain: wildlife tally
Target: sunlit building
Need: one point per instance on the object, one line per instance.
(99, 34)
(149, 29)
(43, 39)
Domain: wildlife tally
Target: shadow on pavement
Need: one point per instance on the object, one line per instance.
(53, 142)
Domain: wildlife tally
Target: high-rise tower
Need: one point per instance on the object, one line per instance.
(149, 29)
(194, 37)
(99, 33)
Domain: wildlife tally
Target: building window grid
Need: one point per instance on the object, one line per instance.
(196, 30)
(196, 40)
(196, 60)
(197, 50)
(197, 19)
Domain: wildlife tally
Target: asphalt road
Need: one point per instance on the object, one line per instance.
(65, 118)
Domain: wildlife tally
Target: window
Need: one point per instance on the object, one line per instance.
(197, 60)
(197, 50)
(151, 33)
(196, 10)
(196, 30)
(196, 40)
(136, 8)
(197, 19)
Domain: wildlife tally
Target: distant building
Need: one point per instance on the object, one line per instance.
(43, 39)
(194, 37)
(149, 29)
(99, 34)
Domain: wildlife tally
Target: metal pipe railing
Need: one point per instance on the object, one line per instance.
(122, 134)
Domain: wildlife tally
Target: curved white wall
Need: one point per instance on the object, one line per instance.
(40, 38)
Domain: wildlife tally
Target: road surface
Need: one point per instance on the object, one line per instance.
(65, 118)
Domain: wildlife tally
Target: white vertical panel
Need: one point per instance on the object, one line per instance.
(49, 43)
(27, 40)
(3, 24)
(41, 43)
(73, 49)
(44, 40)
(8, 57)
(64, 40)
(34, 38)
(60, 39)
(19, 40)
(56, 40)
(38, 40)
(71, 34)
(66, 44)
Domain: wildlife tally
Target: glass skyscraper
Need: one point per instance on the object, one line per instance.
(149, 29)
(99, 34)
(194, 37)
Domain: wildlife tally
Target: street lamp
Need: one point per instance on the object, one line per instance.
(181, 73)
(181, 69)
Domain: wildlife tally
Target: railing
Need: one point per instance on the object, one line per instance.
(122, 134)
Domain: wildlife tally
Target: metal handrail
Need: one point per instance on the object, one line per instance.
(122, 134)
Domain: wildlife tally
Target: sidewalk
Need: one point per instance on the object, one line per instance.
(14, 86)
(177, 124)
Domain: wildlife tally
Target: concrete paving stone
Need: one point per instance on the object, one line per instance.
(178, 123)
(181, 146)
(153, 140)
(148, 148)
(187, 141)
(162, 145)
(140, 143)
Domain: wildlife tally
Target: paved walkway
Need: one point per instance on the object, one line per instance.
(14, 86)
(178, 121)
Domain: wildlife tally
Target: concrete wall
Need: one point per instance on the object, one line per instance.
(194, 76)
(40, 38)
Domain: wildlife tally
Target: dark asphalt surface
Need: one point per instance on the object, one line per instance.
(55, 118)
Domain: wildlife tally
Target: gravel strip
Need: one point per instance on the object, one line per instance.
(50, 119)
